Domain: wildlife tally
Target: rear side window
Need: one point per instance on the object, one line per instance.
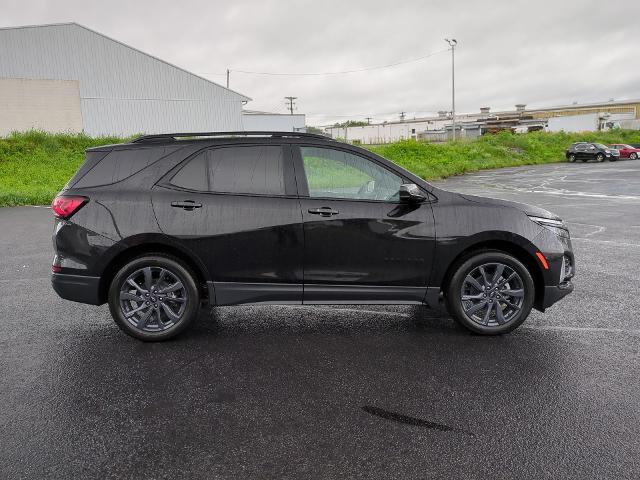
(118, 165)
(257, 170)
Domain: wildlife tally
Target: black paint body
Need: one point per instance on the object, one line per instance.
(272, 249)
(585, 151)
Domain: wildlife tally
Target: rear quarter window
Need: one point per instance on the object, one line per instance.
(118, 165)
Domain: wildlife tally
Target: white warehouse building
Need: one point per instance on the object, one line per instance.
(69, 78)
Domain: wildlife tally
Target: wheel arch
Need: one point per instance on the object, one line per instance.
(156, 245)
(518, 251)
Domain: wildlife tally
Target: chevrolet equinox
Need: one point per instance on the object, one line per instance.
(158, 226)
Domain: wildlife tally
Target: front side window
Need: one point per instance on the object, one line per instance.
(337, 174)
(257, 170)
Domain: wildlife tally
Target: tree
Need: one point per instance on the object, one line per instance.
(351, 123)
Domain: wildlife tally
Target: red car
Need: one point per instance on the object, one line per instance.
(626, 151)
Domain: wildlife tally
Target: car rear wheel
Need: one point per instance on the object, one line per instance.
(572, 158)
(490, 293)
(600, 157)
(154, 297)
(633, 156)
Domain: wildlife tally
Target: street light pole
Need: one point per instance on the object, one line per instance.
(452, 43)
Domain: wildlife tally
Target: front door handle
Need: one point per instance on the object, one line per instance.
(324, 211)
(186, 205)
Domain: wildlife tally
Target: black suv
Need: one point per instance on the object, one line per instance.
(160, 225)
(591, 151)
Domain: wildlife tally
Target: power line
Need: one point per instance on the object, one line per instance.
(339, 72)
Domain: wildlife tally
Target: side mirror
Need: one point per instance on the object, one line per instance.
(409, 192)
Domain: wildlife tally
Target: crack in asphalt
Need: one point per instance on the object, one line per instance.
(412, 421)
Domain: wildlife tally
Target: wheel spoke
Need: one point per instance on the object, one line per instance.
(172, 316)
(159, 280)
(484, 276)
(131, 313)
(473, 282)
(171, 288)
(485, 319)
(132, 282)
(479, 296)
(511, 304)
(131, 296)
(474, 308)
(160, 322)
(175, 299)
(513, 293)
(142, 321)
(148, 278)
(500, 314)
(498, 274)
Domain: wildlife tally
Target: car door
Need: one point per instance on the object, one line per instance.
(591, 152)
(236, 207)
(581, 151)
(362, 245)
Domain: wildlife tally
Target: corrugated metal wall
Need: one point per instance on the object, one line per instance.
(122, 91)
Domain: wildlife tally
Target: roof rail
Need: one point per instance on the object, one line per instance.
(176, 136)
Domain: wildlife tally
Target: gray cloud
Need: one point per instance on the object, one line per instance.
(511, 51)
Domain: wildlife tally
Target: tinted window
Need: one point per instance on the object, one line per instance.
(118, 165)
(251, 170)
(338, 174)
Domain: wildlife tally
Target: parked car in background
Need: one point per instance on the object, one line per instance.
(585, 151)
(626, 151)
(155, 226)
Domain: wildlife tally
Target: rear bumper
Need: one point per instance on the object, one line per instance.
(77, 288)
(555, 293)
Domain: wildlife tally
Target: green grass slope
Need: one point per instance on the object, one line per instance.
(34, 166)
(439, 160)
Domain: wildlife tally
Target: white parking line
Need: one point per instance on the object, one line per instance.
(582, 329)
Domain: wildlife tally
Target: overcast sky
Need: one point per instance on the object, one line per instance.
(541, 53)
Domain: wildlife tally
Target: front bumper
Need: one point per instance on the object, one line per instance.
(554, 293)
(77, 288)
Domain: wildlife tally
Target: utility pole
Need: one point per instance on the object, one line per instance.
(402, 116)
(452, 43)
(291, 104)
(368, 119)
(228, 77)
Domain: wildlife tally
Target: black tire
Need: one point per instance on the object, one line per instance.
(633, 156)
(600, 157)
(612, 159)
(571, 158)
(179, 307)
(494, 326)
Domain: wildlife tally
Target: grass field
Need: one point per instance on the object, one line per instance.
(34, 166)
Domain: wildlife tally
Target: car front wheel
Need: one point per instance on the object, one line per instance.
(572, 158)
(600, 157)
(633, 156)
(490, 293)
(154, 297)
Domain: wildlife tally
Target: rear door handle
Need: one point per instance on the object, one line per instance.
(324, 211)
(186, 205)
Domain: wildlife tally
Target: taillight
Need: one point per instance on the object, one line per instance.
(63, 206)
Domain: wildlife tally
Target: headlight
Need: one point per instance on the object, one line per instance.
(556, 226)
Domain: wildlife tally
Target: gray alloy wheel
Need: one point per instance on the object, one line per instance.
(572, 158)
(633, 155)
(154, 297)
(491, 292)
(600, 157)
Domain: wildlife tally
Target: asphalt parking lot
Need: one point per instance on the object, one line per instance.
(337, 392)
